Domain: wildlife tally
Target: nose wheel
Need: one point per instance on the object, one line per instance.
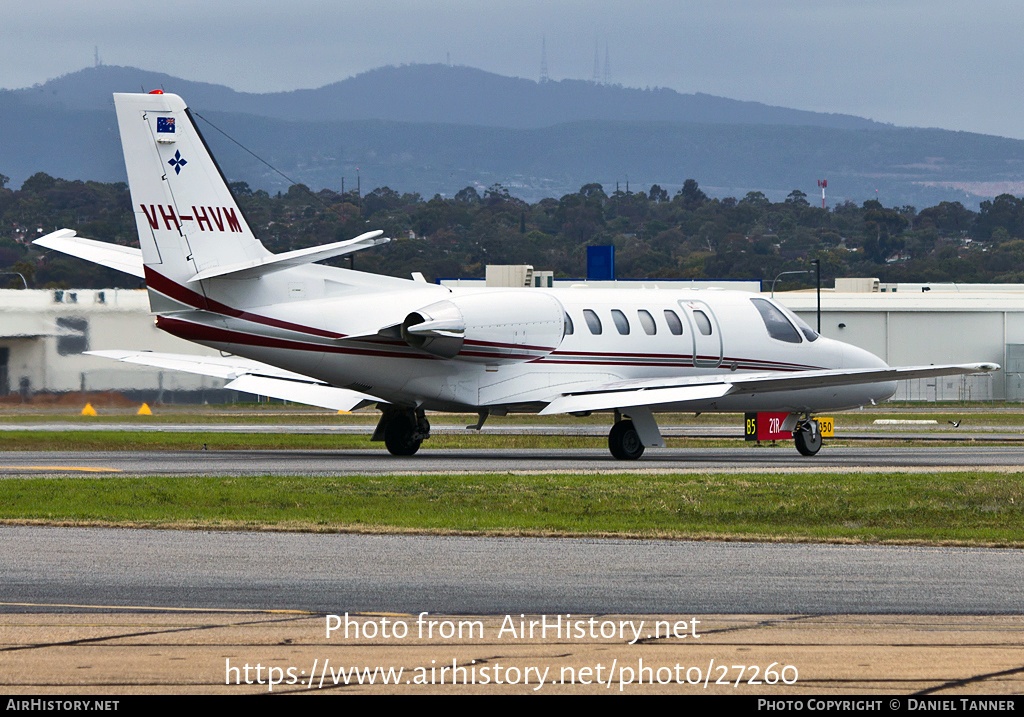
(807, 437)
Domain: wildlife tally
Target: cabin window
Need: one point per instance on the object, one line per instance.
(702, 321)
(593, 322)
(674, 324)
(621, 322)
(568, 324)
(647, 321)
(779, 327)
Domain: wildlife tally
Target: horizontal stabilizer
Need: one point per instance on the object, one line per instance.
(655, 392)
(277, 262)
(113, 256)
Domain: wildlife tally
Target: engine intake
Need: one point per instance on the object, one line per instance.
(488, 327)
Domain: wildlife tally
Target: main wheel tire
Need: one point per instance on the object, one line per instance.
(808, 438)
(624, 442)
(398, 437)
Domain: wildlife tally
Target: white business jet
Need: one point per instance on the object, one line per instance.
(341, 339)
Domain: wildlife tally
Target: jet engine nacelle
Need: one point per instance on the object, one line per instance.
(492, 327)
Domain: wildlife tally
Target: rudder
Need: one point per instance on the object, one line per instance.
(187, 219)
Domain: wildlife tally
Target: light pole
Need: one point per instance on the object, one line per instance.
(805, 271)
(15, 273)
(817, 266)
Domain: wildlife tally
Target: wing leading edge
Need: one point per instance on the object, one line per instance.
(652, 393)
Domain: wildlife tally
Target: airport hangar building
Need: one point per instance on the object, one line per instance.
(44, 334)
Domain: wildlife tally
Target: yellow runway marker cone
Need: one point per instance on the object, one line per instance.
(88, 410)
(144, 410)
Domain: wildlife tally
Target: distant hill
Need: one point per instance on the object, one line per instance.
(436, 129)
(435, 94)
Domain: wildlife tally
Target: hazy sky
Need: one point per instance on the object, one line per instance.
(931, 63)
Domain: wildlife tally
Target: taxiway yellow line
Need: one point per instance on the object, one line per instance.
(153, 608)
(62, 468)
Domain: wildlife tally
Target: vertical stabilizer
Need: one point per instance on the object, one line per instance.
(188, 220)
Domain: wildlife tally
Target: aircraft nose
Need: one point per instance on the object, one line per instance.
(856, 357)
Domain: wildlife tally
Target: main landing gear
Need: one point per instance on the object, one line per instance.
(807, 437)
(632, 432)
(402, 429)
(624, 441)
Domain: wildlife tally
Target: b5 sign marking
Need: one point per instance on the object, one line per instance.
(766, 427)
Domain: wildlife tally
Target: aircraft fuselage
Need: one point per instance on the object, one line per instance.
(520, 348)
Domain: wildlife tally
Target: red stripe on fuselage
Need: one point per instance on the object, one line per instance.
(202, 333)
(518, 347)
(642, 359)
(176, 291)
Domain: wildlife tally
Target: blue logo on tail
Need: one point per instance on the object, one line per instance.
(177, 162)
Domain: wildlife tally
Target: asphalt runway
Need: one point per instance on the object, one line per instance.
(473, 575)
(378, 462)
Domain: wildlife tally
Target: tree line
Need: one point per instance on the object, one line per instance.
(687, 235)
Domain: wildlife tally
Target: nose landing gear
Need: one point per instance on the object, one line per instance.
(807, 437)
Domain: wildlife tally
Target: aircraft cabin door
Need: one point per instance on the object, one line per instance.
(706, 333)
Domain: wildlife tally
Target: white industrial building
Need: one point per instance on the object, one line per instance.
(43, 334)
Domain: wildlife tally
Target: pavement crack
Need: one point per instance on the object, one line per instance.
(735, 628)
(144, 633)
(953, 684)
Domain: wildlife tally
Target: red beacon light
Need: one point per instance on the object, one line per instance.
(156, 92)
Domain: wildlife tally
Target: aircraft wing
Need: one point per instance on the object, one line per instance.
(113, 256)
(250, 377)
(623, 394)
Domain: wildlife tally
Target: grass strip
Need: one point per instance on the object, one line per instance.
(979, 508)
(300, 416)
(189, 441)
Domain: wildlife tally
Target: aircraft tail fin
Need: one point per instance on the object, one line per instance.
(187, 218)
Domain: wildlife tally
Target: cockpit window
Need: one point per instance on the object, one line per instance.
(807, 331)
(779, 327)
